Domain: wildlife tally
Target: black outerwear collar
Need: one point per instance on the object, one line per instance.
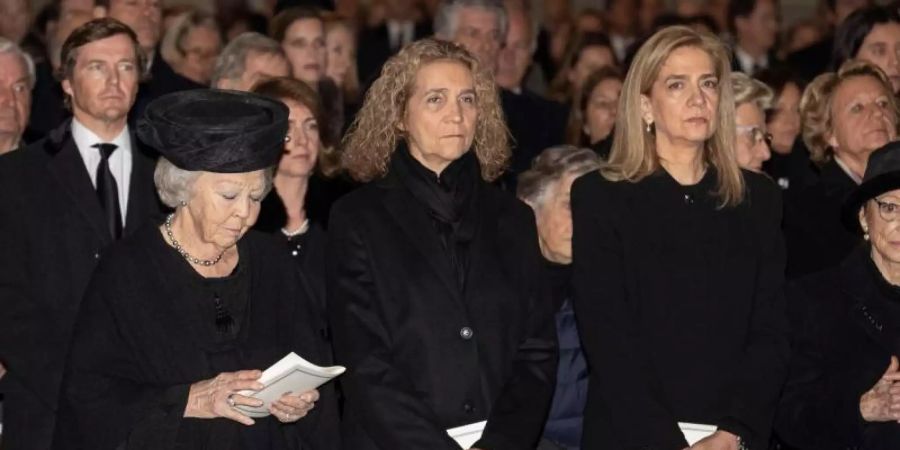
(876, 303)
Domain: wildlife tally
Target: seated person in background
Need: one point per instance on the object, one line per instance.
(191, 46)
(789, 165)
(546, 189)
(593, 114)
(752, 99)
(871, 34)
(587, 53)
(16, 81)
(248, 59)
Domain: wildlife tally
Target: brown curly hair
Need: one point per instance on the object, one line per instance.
(373, 136)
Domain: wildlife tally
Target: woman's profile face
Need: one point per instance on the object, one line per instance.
(601, 108)
(784, 123)
(302, 148)
(882, 48)
(684, 98)
(751, 148)
(439, 123)
(880, 217)
(341, 51)
(223, 206)
(861, 116)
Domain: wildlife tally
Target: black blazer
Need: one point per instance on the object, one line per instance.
(375, 49)
(815, 237)
(52, 232)
(535, 124)
(842, 345)
(422, 357)
(680, 308)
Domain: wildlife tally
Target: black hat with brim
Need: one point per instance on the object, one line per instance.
(882, 175)
(216, 130)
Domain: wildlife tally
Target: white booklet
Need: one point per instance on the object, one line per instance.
(291, 374)
(694, 432)
(467, 435)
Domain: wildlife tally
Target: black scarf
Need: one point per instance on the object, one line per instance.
(449, 198)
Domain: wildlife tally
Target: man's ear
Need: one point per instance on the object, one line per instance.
(67, 87)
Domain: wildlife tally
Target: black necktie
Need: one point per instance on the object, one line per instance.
(108, 191)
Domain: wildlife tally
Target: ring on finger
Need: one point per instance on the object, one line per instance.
(230, 400)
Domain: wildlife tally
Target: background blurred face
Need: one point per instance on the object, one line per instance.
(515, 58)
(861, 117)
(589, 60)
(104, 81)
(59, 31)
(223, 206)
(884, 235)
(600, 111)
(257, 67)
(304, 44)
(439, 123)
(554, 221)
(15, 19)
(882, 48)
(341, 53)
(302, 150)
(684, 98)
(201, 47)
(803, 36)
(478, 31)
(760, 28)
(15, 97)
(784, 123)
(143, 16)
(751, 147)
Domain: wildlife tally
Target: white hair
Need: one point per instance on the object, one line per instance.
(232, 62)
(176, 185)
(445, 20)
(8, 46)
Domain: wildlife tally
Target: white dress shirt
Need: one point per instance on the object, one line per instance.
(748, 64)
(119, 162)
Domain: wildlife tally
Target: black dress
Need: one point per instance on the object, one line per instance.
(680, 308)
(151, 326)
(846, 323)
(438, 311)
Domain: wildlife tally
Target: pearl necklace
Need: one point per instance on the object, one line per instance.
(181, 251)
(303, 229)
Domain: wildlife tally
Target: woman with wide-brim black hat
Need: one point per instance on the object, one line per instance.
(181, 317)
(843, 389)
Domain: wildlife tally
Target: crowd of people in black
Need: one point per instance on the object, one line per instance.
(641, 226)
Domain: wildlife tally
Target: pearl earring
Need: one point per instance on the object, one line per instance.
(183, 203)
(649, 125)
(865, 234)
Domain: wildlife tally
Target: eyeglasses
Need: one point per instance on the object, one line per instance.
(887, 210)
(757, 136)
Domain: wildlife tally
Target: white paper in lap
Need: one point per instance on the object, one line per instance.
(694, 432)
(467, 435)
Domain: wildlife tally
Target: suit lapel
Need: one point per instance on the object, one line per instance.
(67, 166)
(415, 224)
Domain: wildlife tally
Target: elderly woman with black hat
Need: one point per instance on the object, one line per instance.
(182, 316)
(843, 389)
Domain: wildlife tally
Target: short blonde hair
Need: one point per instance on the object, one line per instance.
(633, 155)
(374, 134)
(751, 90)
(815, 105)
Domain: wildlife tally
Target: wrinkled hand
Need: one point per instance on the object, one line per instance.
(882, 402)
(208, 399)
(720, 440)
(293, 407)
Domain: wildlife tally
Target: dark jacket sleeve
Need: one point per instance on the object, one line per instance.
(518, 415)
(382, 397)
(761, 373)
(104, 403)
(820, 404)
(629, 395)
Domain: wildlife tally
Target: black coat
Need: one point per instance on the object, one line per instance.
(423, 357)
(162, 80)
(48, 109)
(145, 334)
(815, 237)
(535, 124)
(375, 49)
(680, 309)
(814, 60)
(52, 231)
(843, 342)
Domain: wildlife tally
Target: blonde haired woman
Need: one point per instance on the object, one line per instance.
(434, 275)
(678, 263)
(846, 115)
(752, 98)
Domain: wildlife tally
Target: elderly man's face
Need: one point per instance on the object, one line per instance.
(143, 16)
(515, 58)
(104, 81)
(223, 206)
(478, 30)
(15, 98)
(554, 221)
(258, 66)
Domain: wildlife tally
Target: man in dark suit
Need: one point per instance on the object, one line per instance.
(755, 27)
(62, 201)
(535, 122)
(377, 43)
(814, 60)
